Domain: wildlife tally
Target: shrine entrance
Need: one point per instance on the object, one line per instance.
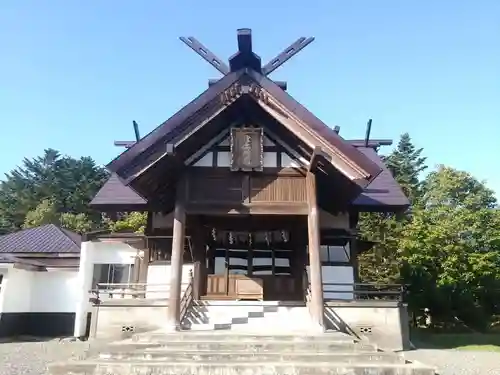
(255, 264)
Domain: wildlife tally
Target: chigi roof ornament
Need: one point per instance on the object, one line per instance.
(245, 57)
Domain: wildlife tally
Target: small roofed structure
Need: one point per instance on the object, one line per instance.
(38, 275)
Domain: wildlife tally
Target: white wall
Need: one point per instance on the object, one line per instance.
(159, 279)
(54, 291)
(340, 275)
(111, 252)
(31, 291)
(16, 285)
(4, 269)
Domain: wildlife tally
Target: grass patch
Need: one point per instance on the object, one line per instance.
(423, 338)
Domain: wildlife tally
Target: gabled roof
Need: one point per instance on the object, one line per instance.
(313, 131)
(114, 190)
(44, 239)
(383, 190)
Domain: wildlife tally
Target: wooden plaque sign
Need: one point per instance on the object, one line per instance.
(247, 149)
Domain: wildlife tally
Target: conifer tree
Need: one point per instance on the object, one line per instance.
(381, 264)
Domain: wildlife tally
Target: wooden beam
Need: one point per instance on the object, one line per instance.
(179, 227)
(281, 84)
(315, 275)
(304, 132)
(277, 208)
(315, 158)
(203, 150)
(206, 54)
(286, 54)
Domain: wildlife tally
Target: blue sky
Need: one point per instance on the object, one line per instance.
(74, 74)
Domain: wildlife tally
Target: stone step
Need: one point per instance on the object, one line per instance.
(159, 337)
(249, 328)
(227, 368)
(169, 356)
(241, 346)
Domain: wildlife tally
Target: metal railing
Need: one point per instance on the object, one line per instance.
(363, 291)
(308, 295)
(356, 291)
(106, 291)
(187, 297)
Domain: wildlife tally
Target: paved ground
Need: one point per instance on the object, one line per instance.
(454, 362)
(31, 358)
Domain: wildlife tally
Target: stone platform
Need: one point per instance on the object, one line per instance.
(217, 353)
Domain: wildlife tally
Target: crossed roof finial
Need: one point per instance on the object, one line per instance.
(245, 57)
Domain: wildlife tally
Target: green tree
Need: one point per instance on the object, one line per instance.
(447, 186)
(44, 213)
(406, 163)
(381, 264)
(79, 223)
(450, 250)
(68, 183)
(130, 222)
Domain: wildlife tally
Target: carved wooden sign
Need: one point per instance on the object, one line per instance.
(247, 149)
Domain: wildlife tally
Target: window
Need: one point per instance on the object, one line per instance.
(334, 254)
(112, 274)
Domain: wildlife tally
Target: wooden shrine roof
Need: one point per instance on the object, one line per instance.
(382, 194)
(194, 113)
(244, 88)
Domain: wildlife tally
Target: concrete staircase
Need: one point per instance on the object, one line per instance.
(228, 353)
(270, 317)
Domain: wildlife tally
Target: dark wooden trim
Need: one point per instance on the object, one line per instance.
(246, 189)
(337, 264)
(264, 208)
(219, 148)
(380, 207)
(149, 223)
(199, 254)
(215, 158)
(268, 171)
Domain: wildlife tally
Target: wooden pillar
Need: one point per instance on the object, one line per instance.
(315, 275)
(178, 231)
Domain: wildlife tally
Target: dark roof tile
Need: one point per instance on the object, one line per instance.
(44, 239)
(384, 190)
(115, 192)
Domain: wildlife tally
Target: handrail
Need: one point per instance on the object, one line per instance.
(308, 295)
(129, 290)
(187, 297)
(365, 291)
(359, 291)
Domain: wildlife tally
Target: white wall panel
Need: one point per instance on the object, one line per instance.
(54, 291)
